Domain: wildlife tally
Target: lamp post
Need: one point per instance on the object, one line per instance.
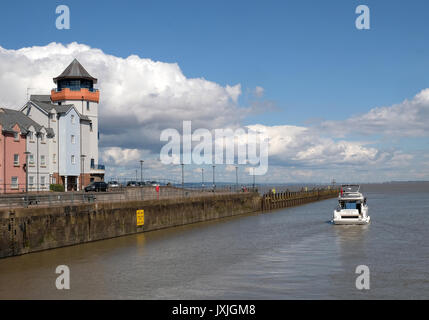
(253, 179)
(141, 172)
(202, 178)
(236, 177)
(183, 178)
(82, 161)
(26, 170)
(214, 182)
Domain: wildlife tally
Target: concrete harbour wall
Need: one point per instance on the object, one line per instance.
(25, 230)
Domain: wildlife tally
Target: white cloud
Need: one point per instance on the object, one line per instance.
(407, 119)
(293, 145)
(259, 91)
(120, 156)
(138, 97)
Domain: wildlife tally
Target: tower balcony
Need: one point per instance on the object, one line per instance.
(86, 94)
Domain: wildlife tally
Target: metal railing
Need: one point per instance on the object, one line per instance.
(159, 191)
(75, 88)
(118, 194)
(98, 166)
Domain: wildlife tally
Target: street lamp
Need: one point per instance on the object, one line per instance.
(26, 170)
(141, 172)
(183, 174)
(236, 177)
(82, 162)
(183, 178)
(202, 178)
(214, 183)
(253, 179)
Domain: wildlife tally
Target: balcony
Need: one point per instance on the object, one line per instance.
(75, 93)
(98, 168)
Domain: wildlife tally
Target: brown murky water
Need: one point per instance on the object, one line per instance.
(285, 254)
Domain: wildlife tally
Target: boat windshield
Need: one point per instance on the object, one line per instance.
(350, 188)
(350, 205)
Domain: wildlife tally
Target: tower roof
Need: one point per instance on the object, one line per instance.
(75, 71)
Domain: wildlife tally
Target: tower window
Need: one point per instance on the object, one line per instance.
(73, 159)
(72, 118)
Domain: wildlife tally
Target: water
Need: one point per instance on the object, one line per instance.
(285, 254)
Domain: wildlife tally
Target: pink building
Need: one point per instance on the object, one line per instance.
(12, 153)
(12, 160)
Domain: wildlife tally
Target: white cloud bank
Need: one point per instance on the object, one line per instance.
(407, 119)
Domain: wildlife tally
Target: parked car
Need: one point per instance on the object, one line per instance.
(96, 187)
(113, 184)
(132, 184)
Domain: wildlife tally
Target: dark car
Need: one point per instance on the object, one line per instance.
(132, 184)
(96, 187)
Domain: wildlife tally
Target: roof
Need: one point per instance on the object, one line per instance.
(48, 107)
(75, 71)
(41, 97)
(9, 118)
(64, 108)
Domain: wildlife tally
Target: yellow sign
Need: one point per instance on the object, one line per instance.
(140, 217)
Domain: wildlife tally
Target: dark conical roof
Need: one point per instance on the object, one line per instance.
(75, 71)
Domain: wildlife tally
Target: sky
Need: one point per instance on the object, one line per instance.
(337, 102)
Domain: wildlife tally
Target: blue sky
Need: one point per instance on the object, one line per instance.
(308, 56)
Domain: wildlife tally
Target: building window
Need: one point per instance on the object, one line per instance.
(16, 136)
(14, 183)
(31, 181)
(42, 181)
(54, 158)
(42, 138)
(16, 159)
(54, 180)
(31, 159)
(92, 163)
(31, 136)
(73, 159)
(73, 140)
(87, 105)
(42, 160)
(90, 126)
(72, 118)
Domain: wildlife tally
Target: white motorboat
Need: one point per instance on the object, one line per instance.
(352, 207)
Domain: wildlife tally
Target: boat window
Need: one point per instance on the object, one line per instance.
(351, 205)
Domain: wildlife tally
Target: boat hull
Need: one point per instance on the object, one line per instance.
(351, 221)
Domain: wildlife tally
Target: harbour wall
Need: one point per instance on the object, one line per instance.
(25, 230)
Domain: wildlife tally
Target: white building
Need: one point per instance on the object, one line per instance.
(71, 113)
